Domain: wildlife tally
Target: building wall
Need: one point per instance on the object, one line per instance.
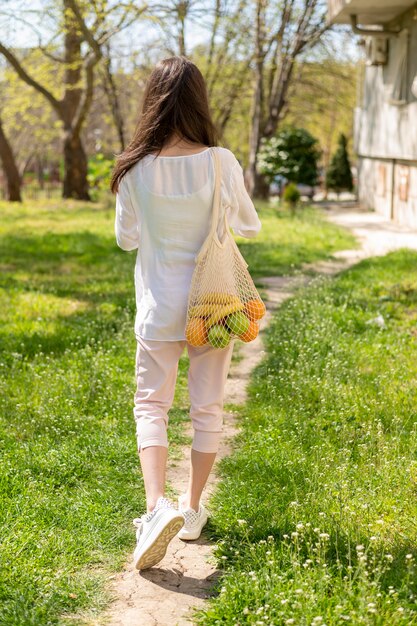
(385, 129)
(389, 187)
(386, 134)
(405, 197)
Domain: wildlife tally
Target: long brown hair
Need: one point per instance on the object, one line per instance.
(175, 100)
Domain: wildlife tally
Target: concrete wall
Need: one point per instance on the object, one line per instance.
(386, 135)
(385, 129)
(405, 211)
(389, 187)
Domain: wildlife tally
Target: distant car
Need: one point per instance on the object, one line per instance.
(306, 190)
(279, 183)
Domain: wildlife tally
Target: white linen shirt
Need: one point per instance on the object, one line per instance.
(163, 209)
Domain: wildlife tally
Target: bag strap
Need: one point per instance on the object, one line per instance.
(217, 188)
(212, 234)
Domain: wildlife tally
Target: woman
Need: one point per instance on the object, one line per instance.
(164, 184)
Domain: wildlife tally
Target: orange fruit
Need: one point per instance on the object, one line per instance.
(196, 332)
(251, 333)
(255, 309)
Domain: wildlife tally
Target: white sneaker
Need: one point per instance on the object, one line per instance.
(154, 532)
(194, 521)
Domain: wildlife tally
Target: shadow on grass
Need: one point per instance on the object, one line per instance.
(64, 260)
(82, 266)
(73, 331)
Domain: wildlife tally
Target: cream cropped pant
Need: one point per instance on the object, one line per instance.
(156, 374)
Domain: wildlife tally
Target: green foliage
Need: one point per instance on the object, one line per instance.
(70, 480)
(229, 81)
(285, 243)
(291, 195)
(322, 101)
(293, 153)
(29, 122)
(315, 513)
(339, 174)
(99, 173)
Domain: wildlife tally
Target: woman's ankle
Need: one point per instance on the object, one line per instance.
(187, 503)
(151, 504)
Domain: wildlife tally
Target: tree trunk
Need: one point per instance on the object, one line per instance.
(254, 135)
(110, 88)
(78, 82)
(258, 186)
(75, 180)
(182, 11)
(10, 169)
(261, 188)
(257, 102)
(39, 171)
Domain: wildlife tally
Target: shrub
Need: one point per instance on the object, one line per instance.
(99, 174)
(293, 154)
(339, 175)
(291, 196)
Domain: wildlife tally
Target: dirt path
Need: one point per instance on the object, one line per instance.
(168, 593)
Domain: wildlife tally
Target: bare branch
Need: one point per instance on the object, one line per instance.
(87, 95)
(88, 35)
(216, 23)
(22, 73)
(49, 55)
(111, 90)
(229, 36)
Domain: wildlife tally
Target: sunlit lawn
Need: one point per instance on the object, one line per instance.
(286, 242)
(70, 481)
(315, 515)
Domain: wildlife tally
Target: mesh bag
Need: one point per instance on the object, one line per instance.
(223, 302)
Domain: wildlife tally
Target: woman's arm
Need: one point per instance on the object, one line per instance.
(126, 223)
(243, 217)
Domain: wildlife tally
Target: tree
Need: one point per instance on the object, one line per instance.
(28, 120)
(293, 154)
(339, 174)
(73, 106)
(113, 96)
(10, 168)
(224, 60)
(322, 100)
(227, 64)
(85, 28)
(300, 25)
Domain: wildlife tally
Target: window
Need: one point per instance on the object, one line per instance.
(400, 87)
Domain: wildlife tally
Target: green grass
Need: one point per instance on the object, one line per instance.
(285, 242)
(315, 515)
(70, 480)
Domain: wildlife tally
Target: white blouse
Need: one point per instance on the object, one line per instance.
(163, 208)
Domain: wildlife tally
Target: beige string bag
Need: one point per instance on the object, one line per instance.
(223, 301)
